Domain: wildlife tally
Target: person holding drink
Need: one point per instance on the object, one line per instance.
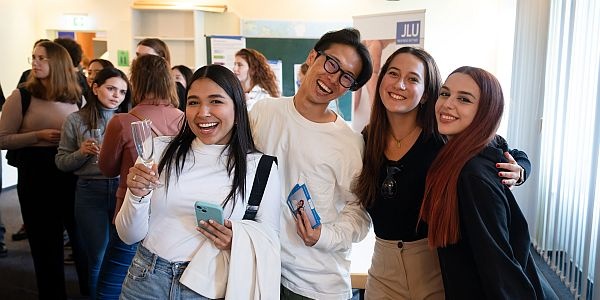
(213, 159)
(78, 151)
(155, 99)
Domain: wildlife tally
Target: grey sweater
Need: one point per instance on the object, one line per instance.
(74, 132)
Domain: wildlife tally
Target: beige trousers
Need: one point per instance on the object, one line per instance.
(404, 270)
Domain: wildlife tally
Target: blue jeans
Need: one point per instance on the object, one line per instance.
(153, 277)
(94, 209)
(117, 259)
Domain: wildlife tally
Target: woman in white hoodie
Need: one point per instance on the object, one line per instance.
(213, 158)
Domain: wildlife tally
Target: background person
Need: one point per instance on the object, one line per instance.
(155, 99)
(78, 153)
(256, 76)
(76, 53)
(3, 250)
(158, 47)
(182, 74)
(55, 92)
(95, 66)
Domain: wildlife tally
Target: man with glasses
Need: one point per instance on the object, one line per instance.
(315, 146)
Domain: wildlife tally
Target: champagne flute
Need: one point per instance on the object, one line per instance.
(144, 144)
(96, 134)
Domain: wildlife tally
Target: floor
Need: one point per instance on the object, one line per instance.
(17, 279)
(16, 270)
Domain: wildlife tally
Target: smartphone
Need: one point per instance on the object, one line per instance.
(208, 211)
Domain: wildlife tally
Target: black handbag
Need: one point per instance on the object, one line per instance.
(12, 155)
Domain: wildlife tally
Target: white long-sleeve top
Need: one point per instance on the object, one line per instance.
(327, 157)
(167, 222)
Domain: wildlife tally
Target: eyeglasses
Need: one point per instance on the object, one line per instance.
(31, 59)
(389, 187)
(332, 66)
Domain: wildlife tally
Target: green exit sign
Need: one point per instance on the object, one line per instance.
(123, 58)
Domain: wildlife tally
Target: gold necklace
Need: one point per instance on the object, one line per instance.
(399, 141)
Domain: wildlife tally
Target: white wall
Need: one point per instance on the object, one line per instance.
(458, 32)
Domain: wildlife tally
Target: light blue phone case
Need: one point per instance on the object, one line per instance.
(208, 211)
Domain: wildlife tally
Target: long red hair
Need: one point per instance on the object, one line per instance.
(440, 202)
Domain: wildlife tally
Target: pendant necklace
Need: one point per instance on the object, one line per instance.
(399, 141)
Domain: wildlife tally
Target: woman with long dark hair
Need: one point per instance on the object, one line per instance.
(78, 151)
(213, 159)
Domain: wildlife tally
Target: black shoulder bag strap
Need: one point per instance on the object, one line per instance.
(258, 187)
(12, 155)
(25, 100)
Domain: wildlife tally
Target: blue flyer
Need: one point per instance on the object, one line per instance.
(298, 198)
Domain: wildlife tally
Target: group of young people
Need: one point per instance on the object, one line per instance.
(428, 172)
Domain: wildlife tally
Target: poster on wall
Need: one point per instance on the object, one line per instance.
(277, 67)
(383, 34)
(223, 49)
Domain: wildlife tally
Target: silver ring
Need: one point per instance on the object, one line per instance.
(134, 176)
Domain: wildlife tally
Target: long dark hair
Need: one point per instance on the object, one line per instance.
(378, 129)
(185, 71)
(440, 203)
(239, 146)
(91, 111)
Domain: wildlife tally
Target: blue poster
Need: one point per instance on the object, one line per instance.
(408, 33)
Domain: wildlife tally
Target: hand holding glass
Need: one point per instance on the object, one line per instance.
(143, 140)
(96, 134)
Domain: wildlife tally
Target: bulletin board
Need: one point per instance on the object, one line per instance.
(289, 51)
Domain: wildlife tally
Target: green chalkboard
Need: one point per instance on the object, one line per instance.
(290, 52)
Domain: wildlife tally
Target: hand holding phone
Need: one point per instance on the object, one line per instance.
(208, 211)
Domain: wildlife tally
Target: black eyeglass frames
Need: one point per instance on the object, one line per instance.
(332, 66)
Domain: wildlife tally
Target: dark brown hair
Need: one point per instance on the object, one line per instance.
(91, 111)
(440, 203)
(365, 187)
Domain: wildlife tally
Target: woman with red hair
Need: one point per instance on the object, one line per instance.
(258, 79)
(402, 141)
(473, 219)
